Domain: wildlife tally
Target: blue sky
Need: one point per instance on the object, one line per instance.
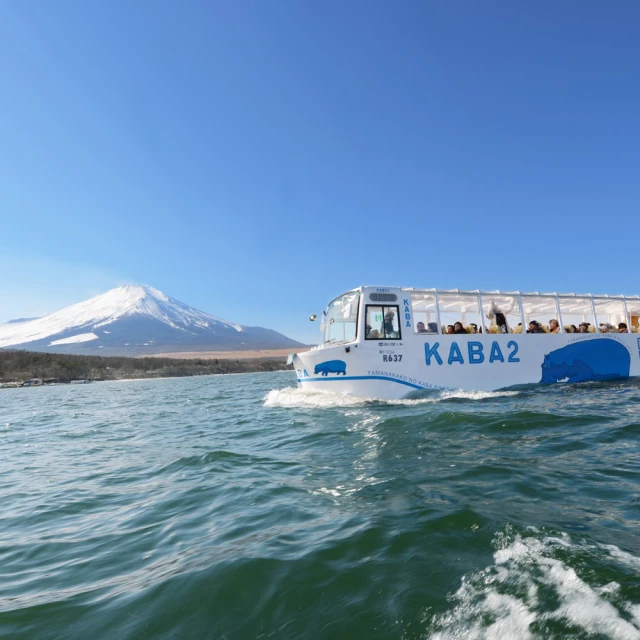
(255, 159)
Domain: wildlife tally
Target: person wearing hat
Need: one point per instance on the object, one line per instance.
(534, 327)
(583, 327)
(622, 328)
(554, 326)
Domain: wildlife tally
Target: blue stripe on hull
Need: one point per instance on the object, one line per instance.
(341, 378)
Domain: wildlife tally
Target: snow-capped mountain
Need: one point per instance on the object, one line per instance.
(135, 320)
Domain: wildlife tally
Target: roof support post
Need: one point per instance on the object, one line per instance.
(438, 312)
(484, 326)
(559, 314)
(524, 320)
(627, 319)
(595, 317)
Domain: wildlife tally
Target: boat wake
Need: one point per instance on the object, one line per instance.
(294, 397)
(531, 591)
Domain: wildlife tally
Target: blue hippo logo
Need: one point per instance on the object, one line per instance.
(603, 359)
(331, 366)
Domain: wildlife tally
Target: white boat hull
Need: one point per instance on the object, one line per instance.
(393, 370)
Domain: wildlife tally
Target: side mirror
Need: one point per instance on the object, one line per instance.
(312, 317)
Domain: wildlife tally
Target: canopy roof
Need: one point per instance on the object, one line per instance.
(533, 302)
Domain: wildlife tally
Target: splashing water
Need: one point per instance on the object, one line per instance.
(531, 590)
(296, 397)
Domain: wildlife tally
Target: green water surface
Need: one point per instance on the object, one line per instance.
(239, 507)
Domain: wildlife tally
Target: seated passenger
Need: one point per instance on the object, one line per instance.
(534, 327)
(367, 330)
(432, 327)
(374, 335)
(450, 329)
(573, 328)
(421, 328)
(622, 328)
(458, 328)
(554, 327)
(583, 327)
(474, 328)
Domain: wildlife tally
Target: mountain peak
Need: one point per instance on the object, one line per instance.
(133, 316)
(132, 293)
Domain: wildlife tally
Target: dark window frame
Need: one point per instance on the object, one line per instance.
(383, 307)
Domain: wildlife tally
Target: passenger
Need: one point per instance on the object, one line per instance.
(534, 327)
(450, 329)
(554, 327)
(603, 328)
(458, 328)
(421, 328)
(389, 331)
(474, 327)
(622, 328)
(367, 330)
(432, 327)
(583, 327)
(498, 316)
(574, 329)
(374, 335)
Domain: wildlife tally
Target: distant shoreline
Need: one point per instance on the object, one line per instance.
(30, 368)
(225, 355)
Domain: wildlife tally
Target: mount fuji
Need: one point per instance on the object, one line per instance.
(135, 320)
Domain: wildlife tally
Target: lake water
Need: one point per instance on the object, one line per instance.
(239, 507)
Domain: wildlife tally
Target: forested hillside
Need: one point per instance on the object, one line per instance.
(16, 366)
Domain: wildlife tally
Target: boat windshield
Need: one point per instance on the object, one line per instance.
(341, 318)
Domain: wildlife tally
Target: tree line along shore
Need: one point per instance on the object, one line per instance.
(30, 368)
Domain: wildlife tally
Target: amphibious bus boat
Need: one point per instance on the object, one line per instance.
(392, 342)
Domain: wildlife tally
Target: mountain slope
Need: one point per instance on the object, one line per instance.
(132, 320)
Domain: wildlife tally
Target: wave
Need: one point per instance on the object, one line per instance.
(531, 591)
(303, 398)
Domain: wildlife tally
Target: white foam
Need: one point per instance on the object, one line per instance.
(524, 566)
(292, 397)
(295, 397)
(477, 395)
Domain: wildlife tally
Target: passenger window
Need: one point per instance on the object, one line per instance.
(425, 315)
(540, 314)
(577, 314)
(382, 323)
(460, 313)
(610, 315)
(501, 313)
